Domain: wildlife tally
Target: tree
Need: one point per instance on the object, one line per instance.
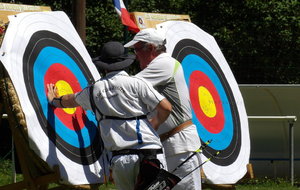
(259, 39)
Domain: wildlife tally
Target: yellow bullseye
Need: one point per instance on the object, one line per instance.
(207, 102)
(64, 88)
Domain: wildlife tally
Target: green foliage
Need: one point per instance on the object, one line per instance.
(266, 184)
(6, 173)
(103, 25)
(6, 176)
(259, 39)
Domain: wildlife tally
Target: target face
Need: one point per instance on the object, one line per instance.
(41, 48)
(218, 110)
(55, 61)
(209, 91)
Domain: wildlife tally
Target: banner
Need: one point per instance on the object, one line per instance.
(7, 9)
(150, 20)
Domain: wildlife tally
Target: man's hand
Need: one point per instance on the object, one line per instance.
(52, 92)
(65, 101)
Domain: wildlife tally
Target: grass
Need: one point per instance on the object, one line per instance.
(7, 178)
(267, 184)
(253, 184)
(6, 173)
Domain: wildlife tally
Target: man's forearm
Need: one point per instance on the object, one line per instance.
(164, 109)
(66, 101)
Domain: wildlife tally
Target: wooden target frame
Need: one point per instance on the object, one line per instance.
(35, 171)
(37, 174)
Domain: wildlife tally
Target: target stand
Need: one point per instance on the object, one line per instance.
(55, 146)
(37, 175)
(249, 175)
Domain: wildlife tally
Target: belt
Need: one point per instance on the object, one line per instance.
(177, 129)
(128, 118)
(145, 152)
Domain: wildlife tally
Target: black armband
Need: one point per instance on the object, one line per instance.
(52, 102)
(58, 99)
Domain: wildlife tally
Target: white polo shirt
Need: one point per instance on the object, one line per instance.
(120, 95)
(166, 75)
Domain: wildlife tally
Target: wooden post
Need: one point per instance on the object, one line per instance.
(80, 18)
(36, 173)
(250, 173)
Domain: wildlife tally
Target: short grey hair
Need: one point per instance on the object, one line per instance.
(159, 48)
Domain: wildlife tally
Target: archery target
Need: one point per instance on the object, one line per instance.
(217, 106)
(43, 48)
(73, 130)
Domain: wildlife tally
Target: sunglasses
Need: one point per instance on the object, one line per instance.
(139, 48)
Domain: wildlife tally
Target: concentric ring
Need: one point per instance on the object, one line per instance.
(201, 69)
(45, 54)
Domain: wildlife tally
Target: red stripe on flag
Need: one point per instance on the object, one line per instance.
(127, 21)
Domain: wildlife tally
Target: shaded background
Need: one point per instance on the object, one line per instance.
(260, 39)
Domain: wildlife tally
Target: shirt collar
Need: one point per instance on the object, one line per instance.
(159, 56)
(113, 73)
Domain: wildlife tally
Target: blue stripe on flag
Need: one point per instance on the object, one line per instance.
(117, 4)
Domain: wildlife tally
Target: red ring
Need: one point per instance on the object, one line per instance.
(73, 121)
(214, 124)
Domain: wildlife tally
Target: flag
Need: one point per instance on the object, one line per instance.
(125, 17)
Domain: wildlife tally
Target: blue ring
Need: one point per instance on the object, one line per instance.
(222, 139)
(47, 57)
(187, 47)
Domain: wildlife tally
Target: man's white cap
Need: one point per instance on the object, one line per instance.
(149, 35)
